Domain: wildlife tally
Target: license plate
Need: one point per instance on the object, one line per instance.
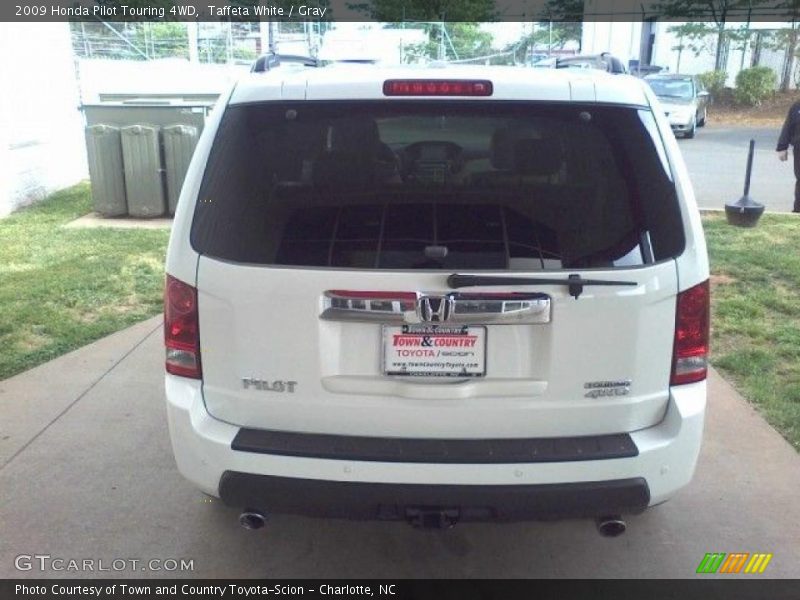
(434, 351)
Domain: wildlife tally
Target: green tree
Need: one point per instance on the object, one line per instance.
(558, 23)
(716, 12)
(468, 39)
(427, 10)
(787, 39)
(452, 25)
(714, 81)
(163, 39)
(454, 41)
(553, 35)
(564, 21)
(134, 40)
(741, 38)
(755, 84)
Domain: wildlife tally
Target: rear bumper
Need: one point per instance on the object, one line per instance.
(396, 501)
(664, 463)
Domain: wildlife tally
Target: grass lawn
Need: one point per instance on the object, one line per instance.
(755, 322)
(63, 288)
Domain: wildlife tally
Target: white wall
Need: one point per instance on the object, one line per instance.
(664, 55)
(165, 76)
(620, 38)
(41, 128)
(623, 39)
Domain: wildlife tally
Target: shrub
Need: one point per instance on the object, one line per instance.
(714, 81)
(754, 85)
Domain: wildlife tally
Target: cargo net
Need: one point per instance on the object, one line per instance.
(396, 233)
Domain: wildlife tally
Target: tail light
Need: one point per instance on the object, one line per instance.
(181, 330)
(690, 354)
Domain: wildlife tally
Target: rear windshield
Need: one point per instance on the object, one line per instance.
(437, 185)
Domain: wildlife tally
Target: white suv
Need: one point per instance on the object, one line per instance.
(437, 295)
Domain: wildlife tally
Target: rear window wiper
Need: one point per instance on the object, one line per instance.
(574, 282)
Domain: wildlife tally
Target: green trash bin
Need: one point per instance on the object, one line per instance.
(179, 145)
(144, 185)
(104, 154)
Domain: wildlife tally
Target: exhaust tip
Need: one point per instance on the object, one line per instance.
(252, 519)
(611, 526)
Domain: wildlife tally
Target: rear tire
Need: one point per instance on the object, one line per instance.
(690, 133)
(702, 122)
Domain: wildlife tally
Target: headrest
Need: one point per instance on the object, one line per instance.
(537, 156)
(353, 135)
(525, 152)
(503, 149)
(348, 158)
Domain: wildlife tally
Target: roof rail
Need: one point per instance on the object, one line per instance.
(605, 61)
(356, 61)
(269, 61)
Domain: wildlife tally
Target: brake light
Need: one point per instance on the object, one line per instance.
(690, 354)
(181, 330)
(437, 87)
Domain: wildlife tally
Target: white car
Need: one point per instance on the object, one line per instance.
(683, 99)
(433, 295)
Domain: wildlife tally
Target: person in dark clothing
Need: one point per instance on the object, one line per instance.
(790, 134)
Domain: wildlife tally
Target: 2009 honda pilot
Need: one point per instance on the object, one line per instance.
(437, 294)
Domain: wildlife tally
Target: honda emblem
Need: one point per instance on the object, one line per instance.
(434, 309)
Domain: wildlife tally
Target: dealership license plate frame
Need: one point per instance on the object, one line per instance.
(434, 331)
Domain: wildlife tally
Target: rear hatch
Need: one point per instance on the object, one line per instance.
(437, 269)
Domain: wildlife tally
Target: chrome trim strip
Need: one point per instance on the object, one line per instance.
(466, 309)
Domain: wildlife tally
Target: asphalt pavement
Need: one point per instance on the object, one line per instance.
(86, 473)
(717, 161)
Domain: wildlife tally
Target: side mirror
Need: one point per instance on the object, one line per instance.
(703, 94)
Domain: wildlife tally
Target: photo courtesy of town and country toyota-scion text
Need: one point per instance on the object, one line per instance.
(199, 591)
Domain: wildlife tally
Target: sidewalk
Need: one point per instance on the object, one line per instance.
(86, 472)
(31, 401)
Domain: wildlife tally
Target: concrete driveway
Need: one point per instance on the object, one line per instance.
(86, 473)
(717, 157)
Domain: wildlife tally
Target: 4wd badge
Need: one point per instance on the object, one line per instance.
(602, 389)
